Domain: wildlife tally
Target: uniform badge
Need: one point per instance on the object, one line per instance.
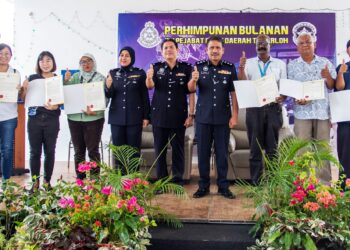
(117, 74)
(180, 74)
(224, 82)
(205, 68)
(149, 36)
(224, 72)
(161, 71)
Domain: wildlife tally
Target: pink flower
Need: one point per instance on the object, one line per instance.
(107, 190)
(132, 201)
(326, 199)
(88, 187)
(98, 223)
(127, 185)
(311, 187)
(84, 167)
(65, 202)
(79, 182)
(120, 204)
(141, 211)
(93, 164)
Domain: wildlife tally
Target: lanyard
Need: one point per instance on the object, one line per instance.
(92, 77)
(263, 71)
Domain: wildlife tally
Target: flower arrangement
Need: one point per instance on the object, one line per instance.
(295, 210)
(109, 211)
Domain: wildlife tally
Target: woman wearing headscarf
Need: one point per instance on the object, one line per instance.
(129, 108)
(85, 127)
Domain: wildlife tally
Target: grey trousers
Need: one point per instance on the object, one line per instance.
(319, 130)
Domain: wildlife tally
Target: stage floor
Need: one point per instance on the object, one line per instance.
(212, 208)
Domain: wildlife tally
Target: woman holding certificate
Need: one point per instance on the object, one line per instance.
(43, 121)
(86, 127)
(129, 108)
(9, 82)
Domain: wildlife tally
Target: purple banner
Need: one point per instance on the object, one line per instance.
(144, 32)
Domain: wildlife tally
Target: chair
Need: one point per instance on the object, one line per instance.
(149, 156)
(238, 161)
(70, 146)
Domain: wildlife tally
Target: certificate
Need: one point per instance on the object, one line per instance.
(78, 96)
(266, 89)
(8, 87)
(311, 90)
(35, 93)
(339, 103)
(54, 90)
(256, 93)
(94, 95)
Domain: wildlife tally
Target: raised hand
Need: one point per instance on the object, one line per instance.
(109, 80)
(67, 75)
(242, 60)
(325, 72)
(343, 67)
(195, 74)
(150, 72)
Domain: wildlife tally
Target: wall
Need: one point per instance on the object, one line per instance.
(70, 28)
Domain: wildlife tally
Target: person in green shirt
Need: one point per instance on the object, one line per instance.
(85, 127)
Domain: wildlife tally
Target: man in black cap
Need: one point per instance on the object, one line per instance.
(343, 131)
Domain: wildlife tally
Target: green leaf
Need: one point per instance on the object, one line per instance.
(274, 236)
(124, 235)
(297, 239)
(102, 235)
(308, 243)
(287, 240)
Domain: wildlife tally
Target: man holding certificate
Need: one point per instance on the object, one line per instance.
(312, 117)
(263, 123)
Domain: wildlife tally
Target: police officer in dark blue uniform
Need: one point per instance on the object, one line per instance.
(214, 117)
(169, 112)
(130, 108)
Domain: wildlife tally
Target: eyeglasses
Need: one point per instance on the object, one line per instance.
(262, 43)
(305, 43)
(82, 62)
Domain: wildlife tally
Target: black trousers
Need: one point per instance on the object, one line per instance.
(206, 134)
(343, 147)
(161, 138)
(126, 135)
(86, 136)
(42, 133)
(263, 125)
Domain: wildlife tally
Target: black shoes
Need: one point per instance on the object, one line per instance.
(201, 192)
(226, 193)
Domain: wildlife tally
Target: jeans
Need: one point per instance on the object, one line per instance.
(42, 132)
(7, 134)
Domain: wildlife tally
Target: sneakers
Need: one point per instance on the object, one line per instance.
(226, 193)
(201, 192)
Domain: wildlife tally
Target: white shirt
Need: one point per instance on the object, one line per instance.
(276, 67)
(8, 110)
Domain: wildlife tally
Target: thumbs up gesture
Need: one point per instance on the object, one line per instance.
(242, 60)
(150, 72)
(109, 80)
(67, 75)
(325, 72)
(343, 67)
(195, 74)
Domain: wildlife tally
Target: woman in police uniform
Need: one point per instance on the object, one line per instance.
(129, 108)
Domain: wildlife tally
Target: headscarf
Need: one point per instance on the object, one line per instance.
(87, 75)
(131, 53)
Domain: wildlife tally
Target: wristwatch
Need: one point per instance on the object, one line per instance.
(192, 115)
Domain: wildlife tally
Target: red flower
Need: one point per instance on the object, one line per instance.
(98, 223)
(291, 163)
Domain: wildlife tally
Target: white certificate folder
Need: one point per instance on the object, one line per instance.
(78, 96)
(339, 105)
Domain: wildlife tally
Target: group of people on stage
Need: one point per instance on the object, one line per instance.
(173, 109)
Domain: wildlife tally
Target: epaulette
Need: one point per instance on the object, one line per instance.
(227, 63)
(185, 63)
(201, 62)
(136, 68)
(158, 63)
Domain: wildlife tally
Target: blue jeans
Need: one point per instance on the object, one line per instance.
(7, 134)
